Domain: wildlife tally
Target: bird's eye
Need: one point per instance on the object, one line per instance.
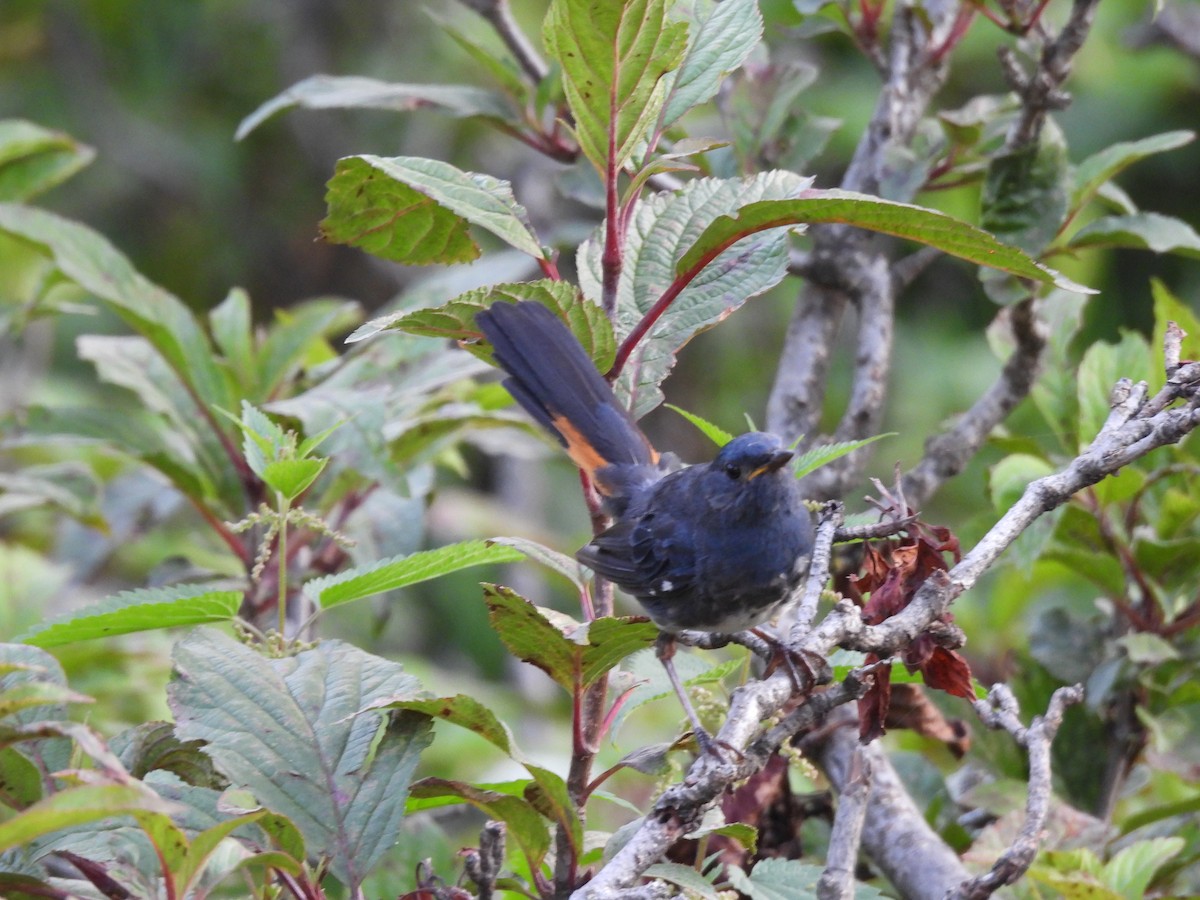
(733, 471)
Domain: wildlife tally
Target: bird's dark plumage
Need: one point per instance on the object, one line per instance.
(712, 547)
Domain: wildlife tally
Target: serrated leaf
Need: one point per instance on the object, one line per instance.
(414, 210)
(1140, 231)
(292, 477)
(525, 825)
(77, 806)
(34, 159)
(613, 57)
(401, 571)
(391, 220)
(824, 454)
(94, 264)
(663, 227)
(469, 713)
(686, 877)
(564, 565)
(1025, 192)
(1100, 167)
(1130, 872)
(904, 220)
(716, 46)
(144, 610)
(610, 640)
(714, 433)
(530, 635)
(293, 732)
(358, 92)
(456, 320)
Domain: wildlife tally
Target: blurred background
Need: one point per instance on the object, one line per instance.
(158, 89)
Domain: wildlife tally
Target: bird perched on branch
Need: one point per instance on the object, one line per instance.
(717, 547)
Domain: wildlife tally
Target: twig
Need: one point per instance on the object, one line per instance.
(499, 16)
(828, 526)
(1041, 92)
(837, 881)
(948, 453)
(999, 711)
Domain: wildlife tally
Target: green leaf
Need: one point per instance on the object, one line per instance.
(1099, 168)
(1140, 231)
(613, 56)
(714, 433)
(663, 227)
(233, 332)
(94, 264)
(297, 336)
(499, 65)
(525, 824)
(530, 635)
(401, 571)
(292, 477)
(77, 806)
(36, 695)
(391, 220)
(788, 879)
(1025, 193)
(717, 45)
(611, 639)
(456, 320)
(915, 223)
(693, 883)
(357, 92)
(34, 159)
(292, 732)
(469, 713)
(416, 210)
(1130, 872)
(1055, 392)
(144, 610)
(564, 565)
(823, 455)
(1008, 478)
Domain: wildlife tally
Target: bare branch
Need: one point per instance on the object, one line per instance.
(837, 881)
(499, 16)
(1042, 92)
(948, 453)
(999, 711)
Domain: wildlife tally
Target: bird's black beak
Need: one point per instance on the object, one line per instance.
(774, 462)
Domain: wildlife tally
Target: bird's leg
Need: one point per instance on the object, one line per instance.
(664, 649)
(793, 660)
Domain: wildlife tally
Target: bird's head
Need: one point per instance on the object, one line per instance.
(750, 455)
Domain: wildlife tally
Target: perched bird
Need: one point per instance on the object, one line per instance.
(716, 547)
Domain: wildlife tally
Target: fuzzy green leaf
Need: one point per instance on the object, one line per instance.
(357, 92)
(293, 732)
(904, 220)
(456, 320)
(613, 56)
(663, 227)
(401, 571)
(530, 635)
(34, 159)
(824, 454)
(414, 210)
(1025, 193)
(714, 433)
(717, 45)
(144, 610)
(77, 806)
(292, 477)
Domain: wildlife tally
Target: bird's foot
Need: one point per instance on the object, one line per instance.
(805, 674)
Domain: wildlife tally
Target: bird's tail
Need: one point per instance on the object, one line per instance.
(552, 376)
